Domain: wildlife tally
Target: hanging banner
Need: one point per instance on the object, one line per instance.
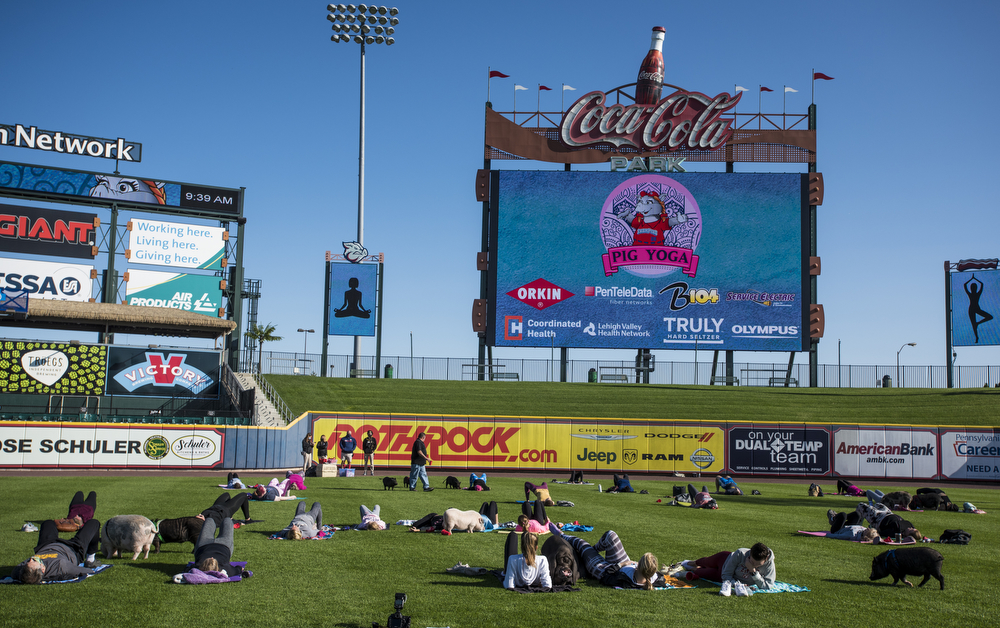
(47, 280)
(975, 304)
(353, 292)
(175, 244)
(192, 293)
(48, 231)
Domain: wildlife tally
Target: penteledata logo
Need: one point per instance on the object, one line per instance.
(617, 291)
(540, 294)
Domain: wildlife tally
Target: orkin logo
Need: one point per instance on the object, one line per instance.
(681, 120)
(540, 294)
(157, 372)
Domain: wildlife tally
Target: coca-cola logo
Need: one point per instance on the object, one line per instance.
(688, 120)
(652, 76)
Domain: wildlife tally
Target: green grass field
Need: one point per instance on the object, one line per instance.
(350, 580)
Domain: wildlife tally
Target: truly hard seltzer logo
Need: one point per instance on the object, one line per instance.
(774, 450)
(156, 447)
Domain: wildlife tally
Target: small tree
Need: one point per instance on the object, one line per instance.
(261, 334)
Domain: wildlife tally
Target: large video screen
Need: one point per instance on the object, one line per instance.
(975, 304)
(626, 260)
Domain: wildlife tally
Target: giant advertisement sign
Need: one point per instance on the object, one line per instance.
(81, 445)
(52, 368)
(353, 293)
(890, 452)
(146, 194)
(201, 294)
(47, 231)
(163, 373)
(514, 443)
(177, 245)
(975, 302)
(47, 280)
(779, 450)
(970, 454)
(618, 260)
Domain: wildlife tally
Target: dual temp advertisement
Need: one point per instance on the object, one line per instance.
(620, 260)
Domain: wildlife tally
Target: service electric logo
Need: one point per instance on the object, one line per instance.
(513, 327)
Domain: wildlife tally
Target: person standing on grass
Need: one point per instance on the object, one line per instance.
(418, 464)
(368, 447)
(347, 446)
(322, 449)
(307, 452)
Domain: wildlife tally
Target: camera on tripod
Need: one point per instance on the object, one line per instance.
(397, 619)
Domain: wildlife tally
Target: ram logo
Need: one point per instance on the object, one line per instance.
(630, 455)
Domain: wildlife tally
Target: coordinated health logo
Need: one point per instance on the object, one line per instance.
(513, 327)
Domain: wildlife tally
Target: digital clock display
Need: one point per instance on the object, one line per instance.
(215, 199)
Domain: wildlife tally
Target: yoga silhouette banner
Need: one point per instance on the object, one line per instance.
(353, 292)
(975, 301)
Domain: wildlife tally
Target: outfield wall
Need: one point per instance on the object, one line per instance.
(558, 444)
(532, 444)
(55, 445)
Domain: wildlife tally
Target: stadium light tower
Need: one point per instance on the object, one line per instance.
(909, 344)
(365, 25)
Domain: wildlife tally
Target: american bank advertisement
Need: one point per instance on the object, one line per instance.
(538, 443)
(68, 445)
(626, 260)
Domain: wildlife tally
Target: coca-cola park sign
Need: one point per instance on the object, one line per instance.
(688, 120)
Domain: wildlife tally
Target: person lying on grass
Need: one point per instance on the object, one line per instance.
(845, 526)
(304, 525)
(533, 518)
(753, 566)
(615, 568)
(275, 491)
(58, 559)
(370, 519)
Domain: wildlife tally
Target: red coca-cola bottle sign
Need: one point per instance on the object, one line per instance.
(650, 81)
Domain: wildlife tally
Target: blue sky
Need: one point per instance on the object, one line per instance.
(255, 94)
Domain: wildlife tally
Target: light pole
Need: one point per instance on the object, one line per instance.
(367, 25)
(305, 344)
(909, 344)
(411, 355)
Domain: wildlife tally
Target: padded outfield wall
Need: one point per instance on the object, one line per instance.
(533, 444)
